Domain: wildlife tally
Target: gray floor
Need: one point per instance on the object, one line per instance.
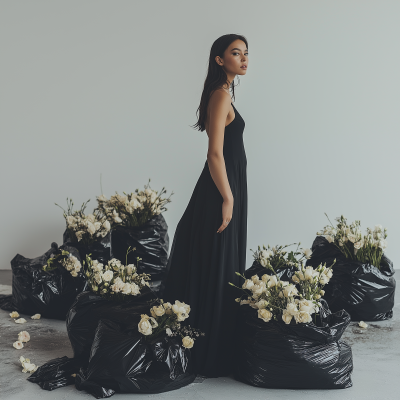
(376, 353)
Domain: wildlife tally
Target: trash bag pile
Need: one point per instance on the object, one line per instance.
(151, 244)
(365, 291)
(294, 356)
(111, 356)
(35, 291)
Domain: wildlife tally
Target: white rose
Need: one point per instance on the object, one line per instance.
(168, 308)
(286, 317)
(264, 262)
(244, 302)
(303, 317)
(362, 324)
(255, 279)
(358, 245)
(295, 279)
(144, 326)
(309, 274)
(261, 304)
(259, 288)
(24, 336)
(18, 345)
(307, 253)
(79, 235)
(130, 269)
(306, 305)
(107, 276)
(107, 225)
(36, 316)
(265, 278)
(264, 314)
(97, 278)
(291, 308)
(91, 218)
(70, 220)
(266, 254)
(323, 280)
(135, 289)
(97, 225)
(181, 310)
(248, 284)
(90, 227)
(187, 342)
(102, 198)
(14, 314)
(20, 321)
(168, 332)
(158, 310)
(74, 274)
(289, 290)
(127, 289)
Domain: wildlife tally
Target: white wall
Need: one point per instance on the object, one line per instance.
(111, 87)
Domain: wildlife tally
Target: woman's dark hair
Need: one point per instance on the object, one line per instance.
(216, 76)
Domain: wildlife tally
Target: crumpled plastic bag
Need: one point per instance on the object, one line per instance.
(35, 291)
(122, 361)
(151, 241)
(55, 373)
(100, 250)
(294, 356)
(363, 290)
(89, 308)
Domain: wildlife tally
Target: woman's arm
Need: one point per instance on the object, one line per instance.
(219, 106)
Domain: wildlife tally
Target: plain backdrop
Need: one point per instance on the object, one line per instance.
(112, 87)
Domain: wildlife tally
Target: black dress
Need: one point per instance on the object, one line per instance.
(202, 262)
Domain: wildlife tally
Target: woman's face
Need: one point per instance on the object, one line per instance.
(235, 59)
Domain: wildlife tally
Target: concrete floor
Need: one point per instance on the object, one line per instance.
(376, 353)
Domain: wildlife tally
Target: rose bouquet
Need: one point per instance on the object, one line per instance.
(166, 317)
(114, 280)
(85, 228)
(65, 259)
(278, 299)
(353, 244)
(133, 209)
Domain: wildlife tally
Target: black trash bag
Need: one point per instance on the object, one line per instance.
(35, 291)
(363, 290)
(100, 249)
(294, 356)
(55, 373)
(121, 361)
(89, 308)
(284, 274)
(151, 241)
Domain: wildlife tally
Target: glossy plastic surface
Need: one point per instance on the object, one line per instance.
(363, 290)
(151, 241)
(295, 356)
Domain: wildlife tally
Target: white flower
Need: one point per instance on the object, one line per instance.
(187, 342)
(309, 274)
(168, 332)
(306, 306)
(329, 238)
(14, 314)
(291, 309)
(91, 228)
(358, 245)
(27, 365)
(130, 269)
(382, 244)
(97, 278)
(272, 281)
(107, 276)
(36, 316)
(18, 345)
(24, 336)
(266, 254)
(106, 225)
(144, 325)
(248, 284)
(323, 280)
(265, 278)
(127, 288)
(362, 324)
(295, 279)
(20, 321)
(289, 290)
(286, 317)
(264, 314)
(102, 198)
(244, 302)
(307, 253)
(159, 310)
(135, 289)
(181, 310)
(79, 235)
(261, 304)
(70, 220)
(259, 288)
(303, 317)
(255, 279)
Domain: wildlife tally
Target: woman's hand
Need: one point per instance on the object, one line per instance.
(227, 211)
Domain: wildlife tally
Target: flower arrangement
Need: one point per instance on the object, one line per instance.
(66, 260)
(277, 299)
(114, 280)
(85, 228)
(166, 317)
(277, 257)
(133, 209)
(353, 244)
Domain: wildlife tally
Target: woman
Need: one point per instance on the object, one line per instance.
(209, 246)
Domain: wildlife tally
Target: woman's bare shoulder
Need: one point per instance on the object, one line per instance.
(220, 98)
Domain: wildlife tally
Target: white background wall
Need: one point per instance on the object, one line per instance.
(111, 87)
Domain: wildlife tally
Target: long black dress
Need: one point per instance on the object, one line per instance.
(202, 261)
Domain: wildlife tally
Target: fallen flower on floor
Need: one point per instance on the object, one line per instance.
(24, 336)
(36, 316)
(20, 321)
(362, 324)
(28, 367)
(18, 345)
(14, 314)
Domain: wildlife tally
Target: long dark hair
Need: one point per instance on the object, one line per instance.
(216, 76)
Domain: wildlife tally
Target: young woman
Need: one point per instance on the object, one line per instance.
(209, 246)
